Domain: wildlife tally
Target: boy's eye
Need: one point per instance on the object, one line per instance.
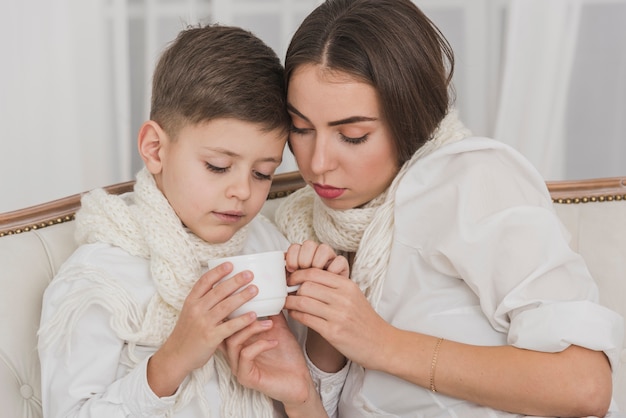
(216, 169)
(262, 176)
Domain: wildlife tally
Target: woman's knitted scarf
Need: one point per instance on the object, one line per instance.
(145, 225)
(367, 230)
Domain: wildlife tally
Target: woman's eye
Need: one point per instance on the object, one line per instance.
(296, 130)
(352, 140)
(216, 169)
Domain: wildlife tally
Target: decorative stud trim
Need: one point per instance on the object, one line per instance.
(589, 199)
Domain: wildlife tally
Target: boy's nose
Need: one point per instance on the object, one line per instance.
(239, 188)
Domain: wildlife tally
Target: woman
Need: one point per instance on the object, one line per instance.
(465, 299)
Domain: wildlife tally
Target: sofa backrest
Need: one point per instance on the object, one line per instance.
(35, 241)
(594, 212)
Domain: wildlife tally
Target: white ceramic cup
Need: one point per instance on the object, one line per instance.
(269, 277)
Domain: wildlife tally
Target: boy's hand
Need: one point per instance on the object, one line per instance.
(265, 356)
(201, 327)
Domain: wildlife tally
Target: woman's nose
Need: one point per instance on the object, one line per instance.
(323, 158)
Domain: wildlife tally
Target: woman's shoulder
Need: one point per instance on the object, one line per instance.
(474, 162)
(479, 171)
(478, 148)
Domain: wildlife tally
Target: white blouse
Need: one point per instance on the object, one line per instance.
(94, 380)
(480, 257)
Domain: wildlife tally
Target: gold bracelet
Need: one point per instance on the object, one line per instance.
(433, 365)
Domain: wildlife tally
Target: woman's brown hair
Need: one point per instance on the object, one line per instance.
(393, 46)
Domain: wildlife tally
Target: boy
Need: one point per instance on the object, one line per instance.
(130, 325)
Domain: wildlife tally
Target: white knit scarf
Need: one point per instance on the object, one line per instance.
(368, 230)
(145, 225)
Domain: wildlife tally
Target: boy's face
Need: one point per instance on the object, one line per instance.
(217, 174)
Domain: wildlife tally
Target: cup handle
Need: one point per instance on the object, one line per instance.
(293, 288)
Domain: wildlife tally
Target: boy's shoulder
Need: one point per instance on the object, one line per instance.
(263, 235)
(103, 255)
(113, 262)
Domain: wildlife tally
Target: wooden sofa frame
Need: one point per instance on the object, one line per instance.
(63, 210)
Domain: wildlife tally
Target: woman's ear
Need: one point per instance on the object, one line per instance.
(151, 142)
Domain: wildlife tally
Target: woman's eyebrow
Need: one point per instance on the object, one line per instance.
(345, 121)
(292, 109)
(352, 119)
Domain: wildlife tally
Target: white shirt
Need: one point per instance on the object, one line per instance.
(480, 257)
(94, 379)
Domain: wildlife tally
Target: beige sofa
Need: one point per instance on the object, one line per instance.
(35, 241)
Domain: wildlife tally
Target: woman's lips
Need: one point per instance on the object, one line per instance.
(327, 192)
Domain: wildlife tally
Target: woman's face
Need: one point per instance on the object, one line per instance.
(343, 147)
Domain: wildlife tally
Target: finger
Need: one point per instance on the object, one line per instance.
(249, 354)
(223, 302)
(321, 277)
(311, 305)
(209, 279)
(307, 253)
(316, 323)
(278, 319)
(245, 336)
(291, 257)
(323, 256)
(339, 265)
(233, 345)
(229, 327)
(228, 286)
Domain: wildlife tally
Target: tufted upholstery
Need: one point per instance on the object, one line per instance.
(595, 215)
(29, 258)
(28, 261)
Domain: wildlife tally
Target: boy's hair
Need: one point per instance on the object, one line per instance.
(218, 72)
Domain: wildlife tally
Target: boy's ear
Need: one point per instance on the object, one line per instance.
(150, 143)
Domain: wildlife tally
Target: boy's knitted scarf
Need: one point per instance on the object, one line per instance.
(367, 230)
(145, 225)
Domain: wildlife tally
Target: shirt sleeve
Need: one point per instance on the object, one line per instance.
(328, 385)
(83, 378)
(494, 222)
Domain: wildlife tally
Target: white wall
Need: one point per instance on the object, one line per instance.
(75, 81)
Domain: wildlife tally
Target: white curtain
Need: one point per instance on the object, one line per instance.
(596, 111)
(541, 40)
(563, 92)
(54, 101)
(75, 81)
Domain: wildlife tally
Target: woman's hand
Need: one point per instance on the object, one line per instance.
(310, 254)
(501, 377)
(334, 306)
(319, 258)
(201, 327)
(266, 356)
